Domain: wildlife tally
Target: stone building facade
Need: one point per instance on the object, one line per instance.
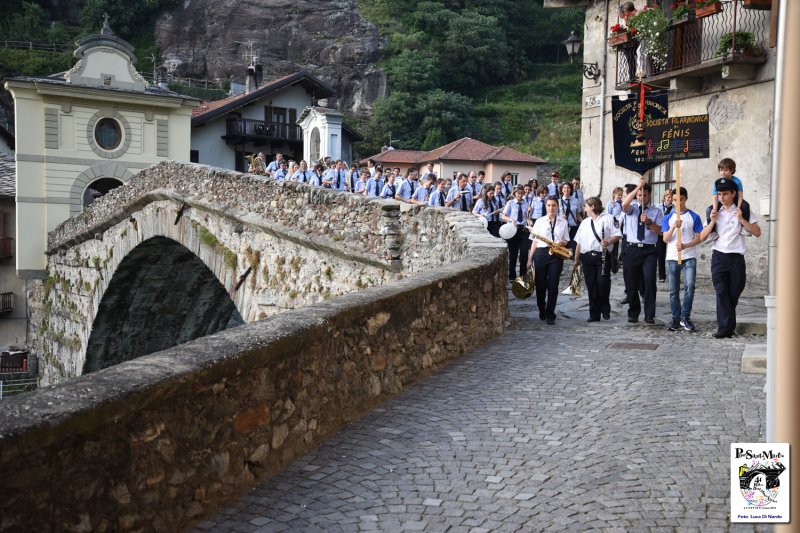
(735, 89)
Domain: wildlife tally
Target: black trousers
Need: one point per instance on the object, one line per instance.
(661, 248)
(640, 267)
(494, 227)
(598, 283)
(729, 275)
(548, 271)
(518, 247)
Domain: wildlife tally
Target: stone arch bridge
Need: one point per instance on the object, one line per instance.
(186, 250)
(359, 299)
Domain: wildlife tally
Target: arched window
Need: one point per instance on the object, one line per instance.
(98, 188)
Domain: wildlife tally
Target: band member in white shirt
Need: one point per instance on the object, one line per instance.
(548, 267)
(593, 244)
(728, 270)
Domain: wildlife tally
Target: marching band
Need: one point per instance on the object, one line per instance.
(545, 225)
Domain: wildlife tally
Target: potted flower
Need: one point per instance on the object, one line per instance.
(619, 34)
(650, 25)
(704, 8)
(680, 10)
(745, 45)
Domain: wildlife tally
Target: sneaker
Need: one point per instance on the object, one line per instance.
(687, 324)
(675, 326)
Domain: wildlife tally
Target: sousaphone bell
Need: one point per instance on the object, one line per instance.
(523, 286)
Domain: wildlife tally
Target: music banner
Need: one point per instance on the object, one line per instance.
(676, 138)
(629, 130)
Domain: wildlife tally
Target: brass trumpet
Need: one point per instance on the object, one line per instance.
(555, 248)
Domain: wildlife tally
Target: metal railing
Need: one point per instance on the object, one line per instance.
(261, 129)
(694, 41)
(6, 302)
(6, 247)
(46, 47)
(13, 362)
(18, 386)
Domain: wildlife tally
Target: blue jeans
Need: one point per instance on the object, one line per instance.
(689, 268)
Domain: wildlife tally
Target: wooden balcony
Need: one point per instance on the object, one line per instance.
(695, 52)
(6, 247)
(245, 130)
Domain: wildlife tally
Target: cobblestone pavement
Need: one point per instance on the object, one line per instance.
(547, 428)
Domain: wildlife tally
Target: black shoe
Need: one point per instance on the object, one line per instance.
(625, 301)
(650, 320)
(551, 321)
(633, 320)
(593, 319)
(723, 335)
(675, 326)
(542, 316)
(607, 316)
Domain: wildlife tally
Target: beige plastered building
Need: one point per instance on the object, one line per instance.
(84, 131)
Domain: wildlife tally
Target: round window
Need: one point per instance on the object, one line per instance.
(107, 133)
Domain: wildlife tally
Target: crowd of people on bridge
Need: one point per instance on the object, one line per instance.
(546, 224)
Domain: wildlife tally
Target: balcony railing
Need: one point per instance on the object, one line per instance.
(695, 42)
(13, 362)
(6, 247)
(244, 129)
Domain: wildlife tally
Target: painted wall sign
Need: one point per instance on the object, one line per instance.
(676, 138)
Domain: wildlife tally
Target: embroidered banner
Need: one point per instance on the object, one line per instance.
(629, 132)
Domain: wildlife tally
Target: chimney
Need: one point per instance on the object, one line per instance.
(259, 71)
(250, 82)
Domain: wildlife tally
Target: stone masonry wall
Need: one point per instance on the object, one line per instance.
(156, 443)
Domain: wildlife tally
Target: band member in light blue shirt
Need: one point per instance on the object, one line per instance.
(375, 184)
(281, 173)
(460, 197)
(389, 189)
(316, 176)
(353, 177)
(423, 192)
(273, 166)
(303, 175)
(408, 187)
(437, 197)
(642, 230)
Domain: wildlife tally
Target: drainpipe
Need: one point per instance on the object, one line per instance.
(603, 74)
(770, 298)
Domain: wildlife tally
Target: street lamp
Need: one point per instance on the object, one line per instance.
(591, 71)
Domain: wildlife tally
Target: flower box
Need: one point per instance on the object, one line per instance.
(618, 39)
(758, 4)
(711, 9)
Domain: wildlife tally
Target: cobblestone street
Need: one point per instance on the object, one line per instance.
(547, 428)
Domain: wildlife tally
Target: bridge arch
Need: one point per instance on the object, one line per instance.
(161, 295)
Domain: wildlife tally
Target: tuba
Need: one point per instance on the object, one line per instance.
(257, 163)
(555, 249)
(523, 286)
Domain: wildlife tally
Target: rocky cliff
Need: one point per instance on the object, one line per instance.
(209, 38)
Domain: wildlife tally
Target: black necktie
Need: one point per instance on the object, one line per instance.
(338, 178)
(667, 210)
(441, 199)
(519, 213)
(567, 208)
(463, 201)
(640, 227)
(412, 187)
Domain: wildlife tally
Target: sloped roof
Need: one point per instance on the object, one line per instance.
(464, 149)
(211, 110)
(8, 176)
